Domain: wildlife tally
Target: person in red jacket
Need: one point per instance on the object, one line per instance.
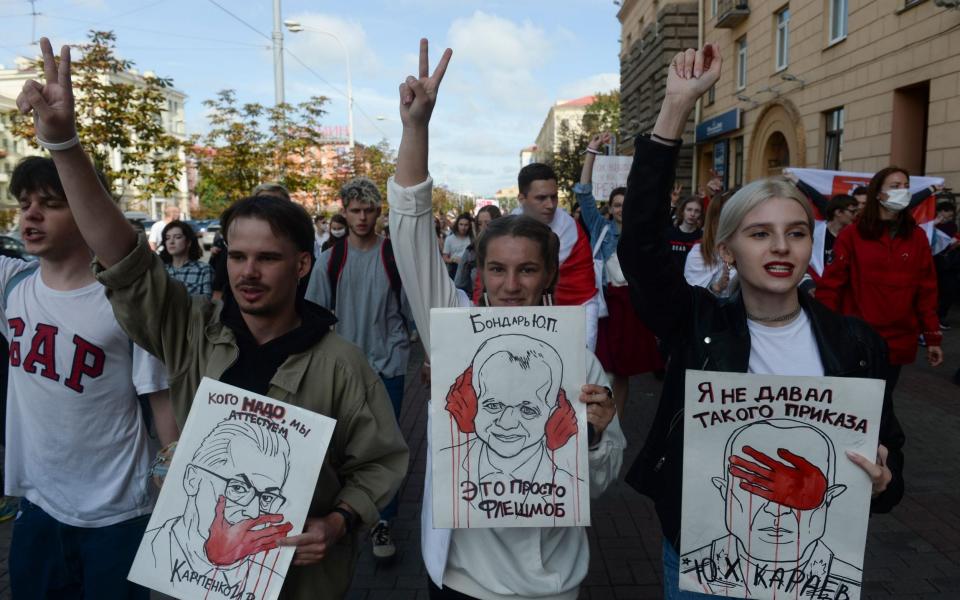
(882, 272)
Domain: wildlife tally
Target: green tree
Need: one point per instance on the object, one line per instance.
(248, 144)
(120, 112)
(602, 115)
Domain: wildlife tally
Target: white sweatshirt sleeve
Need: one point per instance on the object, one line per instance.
(426, 281)
(606, 457)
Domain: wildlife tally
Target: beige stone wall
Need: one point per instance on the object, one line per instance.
(887, 47)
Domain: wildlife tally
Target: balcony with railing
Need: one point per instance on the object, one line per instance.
(731, 13)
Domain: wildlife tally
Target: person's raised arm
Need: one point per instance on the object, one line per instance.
(99, 219)
(418, 96)
(584, 190)
(425, 278)
(658, 290)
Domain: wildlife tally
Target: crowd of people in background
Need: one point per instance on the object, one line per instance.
(802, 277)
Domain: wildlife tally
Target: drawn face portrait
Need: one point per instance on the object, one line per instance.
(513, 404)
(251, 482)
(776, 500)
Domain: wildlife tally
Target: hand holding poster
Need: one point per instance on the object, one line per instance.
(509, 436)
(609, 172)
(772, 506)
(241, 479)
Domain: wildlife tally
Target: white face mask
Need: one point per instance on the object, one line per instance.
(338, 233)
(897, 200)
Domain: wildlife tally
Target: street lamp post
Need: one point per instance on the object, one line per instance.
(277, 55)
(297, 27)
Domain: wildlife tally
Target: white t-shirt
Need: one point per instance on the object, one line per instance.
(788, 350)
(77, 444)
(156, 231)
(455, 245)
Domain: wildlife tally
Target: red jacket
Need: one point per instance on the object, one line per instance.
(890, 283)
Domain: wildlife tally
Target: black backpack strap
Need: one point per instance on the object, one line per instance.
(338, 258)
(393, 275)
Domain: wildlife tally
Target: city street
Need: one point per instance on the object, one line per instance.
(913, 553)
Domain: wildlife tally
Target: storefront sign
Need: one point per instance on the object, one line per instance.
(719, 125)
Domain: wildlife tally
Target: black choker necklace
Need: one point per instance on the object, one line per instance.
(787, 317)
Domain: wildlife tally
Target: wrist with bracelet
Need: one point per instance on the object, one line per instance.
(58, 146)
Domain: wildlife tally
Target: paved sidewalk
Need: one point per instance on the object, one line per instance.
(912, 553)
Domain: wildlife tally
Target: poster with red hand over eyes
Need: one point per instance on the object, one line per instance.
(772, 506)
(508, 434)
(242, 478)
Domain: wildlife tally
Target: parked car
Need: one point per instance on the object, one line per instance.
(14, 248)
(210, 233)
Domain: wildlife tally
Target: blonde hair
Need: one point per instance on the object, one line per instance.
(753, 195)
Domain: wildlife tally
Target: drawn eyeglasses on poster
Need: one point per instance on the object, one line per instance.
(226, 504)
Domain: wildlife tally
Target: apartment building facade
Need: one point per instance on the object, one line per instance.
(852, 85)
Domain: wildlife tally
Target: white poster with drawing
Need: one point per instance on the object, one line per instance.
(509, 435)
(609, 172)
(772, 506)
(242, 478)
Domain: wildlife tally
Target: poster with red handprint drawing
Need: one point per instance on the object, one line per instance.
(241, 479)
(508, 436)
(773, 508)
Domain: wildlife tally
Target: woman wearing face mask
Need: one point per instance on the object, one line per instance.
(338, 229)
(518, 259)
(768, 327)
(883, 273)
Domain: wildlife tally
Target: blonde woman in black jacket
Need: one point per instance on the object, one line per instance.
(766, 231)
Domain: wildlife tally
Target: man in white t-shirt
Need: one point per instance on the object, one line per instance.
(170, 213)
(77, 450)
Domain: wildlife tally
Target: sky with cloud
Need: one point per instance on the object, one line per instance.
(512, 60)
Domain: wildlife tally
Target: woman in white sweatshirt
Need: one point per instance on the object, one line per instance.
(518, 259)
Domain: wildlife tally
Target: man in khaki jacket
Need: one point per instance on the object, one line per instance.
(260, 338)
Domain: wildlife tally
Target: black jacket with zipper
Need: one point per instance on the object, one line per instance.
(703, 332)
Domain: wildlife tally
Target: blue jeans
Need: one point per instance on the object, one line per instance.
(50, 560)
(671, 576)
(394, 387)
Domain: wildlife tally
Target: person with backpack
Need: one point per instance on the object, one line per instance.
(357, 279)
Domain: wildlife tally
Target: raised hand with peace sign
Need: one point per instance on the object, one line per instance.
(418, 96)
(51, 102)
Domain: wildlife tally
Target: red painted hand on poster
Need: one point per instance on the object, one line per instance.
(800, 484)
(462, 401)
(231, 542)
(562, 424)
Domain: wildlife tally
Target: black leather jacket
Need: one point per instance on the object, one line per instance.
(703, 332)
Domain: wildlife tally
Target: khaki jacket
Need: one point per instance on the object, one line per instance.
(367, 459)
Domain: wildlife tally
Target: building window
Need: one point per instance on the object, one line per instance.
(742, 63)
(833, 143)
(712, 94)
(783, 39)
(713, 8)
(838, 20)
